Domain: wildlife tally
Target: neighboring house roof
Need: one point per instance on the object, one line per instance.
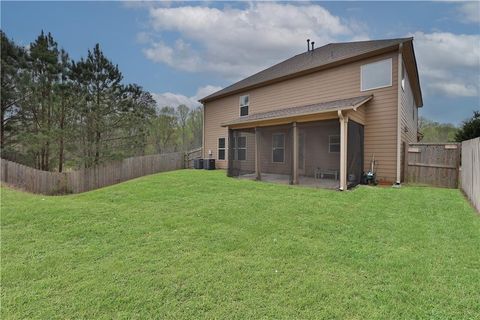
(342, 104)
(311, 61)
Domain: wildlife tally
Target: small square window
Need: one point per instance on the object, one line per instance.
(376, 75)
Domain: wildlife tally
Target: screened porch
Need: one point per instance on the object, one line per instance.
(306, 153)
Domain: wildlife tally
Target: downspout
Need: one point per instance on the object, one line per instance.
(399, 113)
(203, 131)
(343, 152)
(295, 153)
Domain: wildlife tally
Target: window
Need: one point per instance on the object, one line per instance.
(376, 75)
(334, 143)
(221, 148)
(240, 148)
(244, 106)
(278, 147)
(403, 78)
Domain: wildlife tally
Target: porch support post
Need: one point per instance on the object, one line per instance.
(295, 153)
(258, 174)
(230, 153)
(343, 150)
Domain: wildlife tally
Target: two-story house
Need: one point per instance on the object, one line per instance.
(325, 115)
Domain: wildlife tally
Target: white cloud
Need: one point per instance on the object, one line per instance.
(202, 92)
(449, 64)
(174, 99)
(238, 42)
(455, 89)
(470, 11)
(143, 37)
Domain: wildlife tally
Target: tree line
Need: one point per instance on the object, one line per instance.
(58, 114)
(433, 131)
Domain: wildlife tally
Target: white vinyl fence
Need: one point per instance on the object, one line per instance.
(470, 182)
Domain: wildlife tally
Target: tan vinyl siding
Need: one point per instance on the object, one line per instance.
(215, 113)
(359, 115)
(378, 115)
(408, 114)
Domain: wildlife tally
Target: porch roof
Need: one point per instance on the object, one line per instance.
(322, 107)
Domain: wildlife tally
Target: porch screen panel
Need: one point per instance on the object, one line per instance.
(318, 155)
(242, 152)
(276, 153)
(355, 153)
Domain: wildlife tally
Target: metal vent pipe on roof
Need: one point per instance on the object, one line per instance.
(308, 44)
(313, 45)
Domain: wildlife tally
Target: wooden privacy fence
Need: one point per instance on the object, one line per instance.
(54, 183)
(470, 177)
(435, 164)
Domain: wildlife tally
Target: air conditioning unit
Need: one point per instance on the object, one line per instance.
(209, 164)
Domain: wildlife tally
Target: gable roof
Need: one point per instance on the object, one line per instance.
(322, 107)
(310, 61)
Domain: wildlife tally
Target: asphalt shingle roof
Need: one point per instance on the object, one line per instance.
(319, 57)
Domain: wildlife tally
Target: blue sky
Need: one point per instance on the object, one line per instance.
(181, 51)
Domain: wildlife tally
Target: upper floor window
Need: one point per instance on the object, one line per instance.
(376, 75)
(244, 106)
(403, 78)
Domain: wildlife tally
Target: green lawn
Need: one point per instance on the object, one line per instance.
(196, 244)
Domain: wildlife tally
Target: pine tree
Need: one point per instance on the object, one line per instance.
(139, 110)
(101, 82)
(38, 108)
(12, 63)
(65, 106)
(470, 128)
